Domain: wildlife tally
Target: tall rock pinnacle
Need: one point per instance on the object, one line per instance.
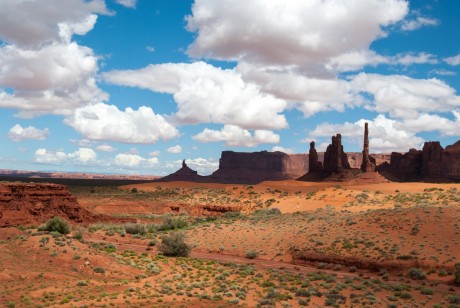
(368, 163)
(313, 163)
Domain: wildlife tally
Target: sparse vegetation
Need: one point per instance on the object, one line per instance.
(174, 245)
(57, 224)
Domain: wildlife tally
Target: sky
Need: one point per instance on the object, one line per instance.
(135, 86)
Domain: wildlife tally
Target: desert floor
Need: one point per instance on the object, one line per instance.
(283, 244)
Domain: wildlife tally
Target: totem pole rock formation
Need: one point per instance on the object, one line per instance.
(368, 163)
(335, 159)
(313, 163)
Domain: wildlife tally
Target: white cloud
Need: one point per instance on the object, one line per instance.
(282, 149)
(455, 60)
(292, 32)
(81, 156)
(418, 22)
(19, 133)
(206, 94)
(309, 95)
(127, 3)
(415, 58)
(236, 136)
(433, 122)
(154, 153)
(442, 72)
(34, 23)
(134, 161)
(385, 135)
(177, 149)
(107, 122)
(356, 60)
(405, 97)
(150, 48)
(55, 79)
(105, 148)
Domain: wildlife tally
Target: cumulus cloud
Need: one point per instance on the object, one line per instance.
(356, 60)
(455, 60)
(433, 122)
(43, 70)
(127, 3)
(107, 122)
(105, 148)
(309, 95)
(81, 156)
(55, 79)
(282, 149)
(154, 153)
(385, 135)
(19, 133)
(303, 33)
(207, 94)
(418, 22)
(134, 160)
(405, 97)
(235, 136)
(34, 23)
(177, 149)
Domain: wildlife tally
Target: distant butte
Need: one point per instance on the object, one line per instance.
(433, 163)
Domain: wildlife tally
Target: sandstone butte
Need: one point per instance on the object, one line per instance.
(432, 163)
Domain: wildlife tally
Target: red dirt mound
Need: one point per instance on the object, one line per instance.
(29, 204)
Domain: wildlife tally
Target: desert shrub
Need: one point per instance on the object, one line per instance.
(273, 211)
(134, 190)
(172, 224)
(457, 274)
(454, 299)
(57, 224)
(417, 274)
(251, 254)
(153, 242)
(232, 214)
(82, 284)
(131, 228)
(99, 270)
(174, 245)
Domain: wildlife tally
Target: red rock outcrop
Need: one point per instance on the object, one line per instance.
(432, 163)
(451, 162)
(239, 167)
(335, 159)
(27, 204)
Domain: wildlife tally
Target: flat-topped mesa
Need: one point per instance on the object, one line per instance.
(335, 159)
(368, 164)
(313, 163)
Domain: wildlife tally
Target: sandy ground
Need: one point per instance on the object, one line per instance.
(323, 248)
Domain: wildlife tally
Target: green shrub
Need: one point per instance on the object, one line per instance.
(172, 224)
(457, 274)
(131, 228)
(58, 224)
(251, 254)
(99, 270)
(174, 245)
(417, 274)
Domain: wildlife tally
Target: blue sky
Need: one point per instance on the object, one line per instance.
(126, 86)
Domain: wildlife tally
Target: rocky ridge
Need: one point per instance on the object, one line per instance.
(26, 204)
